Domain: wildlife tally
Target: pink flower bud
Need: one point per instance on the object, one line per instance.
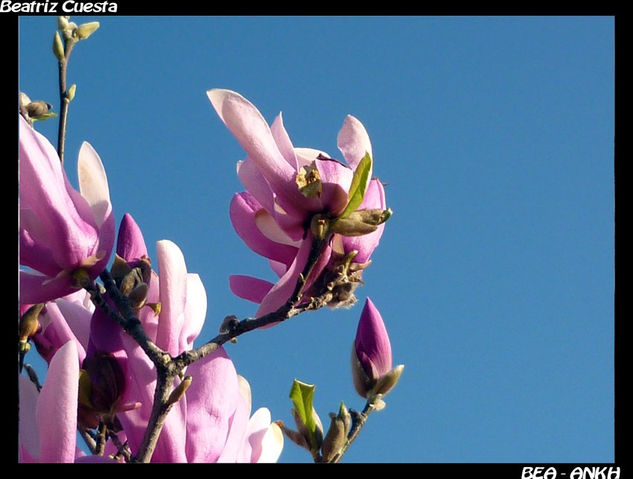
(371, 354)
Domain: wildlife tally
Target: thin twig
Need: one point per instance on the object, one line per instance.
(64, 101)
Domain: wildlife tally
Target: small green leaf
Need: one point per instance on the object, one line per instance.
(301, 395)
(359, 184)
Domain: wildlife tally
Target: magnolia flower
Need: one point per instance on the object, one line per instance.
(372, 371)
(61, 230)
(286, 188)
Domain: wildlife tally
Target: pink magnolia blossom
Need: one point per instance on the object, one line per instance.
(273, 215)
(61, 229)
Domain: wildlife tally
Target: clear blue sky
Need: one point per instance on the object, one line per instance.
(495, 275)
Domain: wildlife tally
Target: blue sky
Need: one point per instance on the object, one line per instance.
(495, 275)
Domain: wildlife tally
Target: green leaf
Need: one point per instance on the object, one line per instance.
(359, 184)
(301, 395)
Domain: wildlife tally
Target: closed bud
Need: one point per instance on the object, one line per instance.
(29, 322)
(86, 29)
(58, 47)
(120, 269)
(360, 222)
(179, 391)
(345, 416)
(334, 439)
(70, 94)
(62, 22)
(38, 108)
(138, 295)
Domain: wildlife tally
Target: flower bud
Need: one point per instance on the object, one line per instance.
(29, 322)
(62, 22)
(86, 29)
(70, 94)
(179, 391)
(38, 108)
(360, 222)
(58, 47)
(335, 438)
(372, 371)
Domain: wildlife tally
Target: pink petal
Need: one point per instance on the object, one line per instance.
(272, 444)
(57, 407)
(57, 331)
(28, 433)
(243, 210)
(255, 183)
(336, 180)
(78, 320)
(234, 449)
(212, 399)
(283, 141)
(93, 183)
(257, 428)
(283, 289)
(249, 288)
(353, 141)
(173, 293)
(37, 288)
(195, 311)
